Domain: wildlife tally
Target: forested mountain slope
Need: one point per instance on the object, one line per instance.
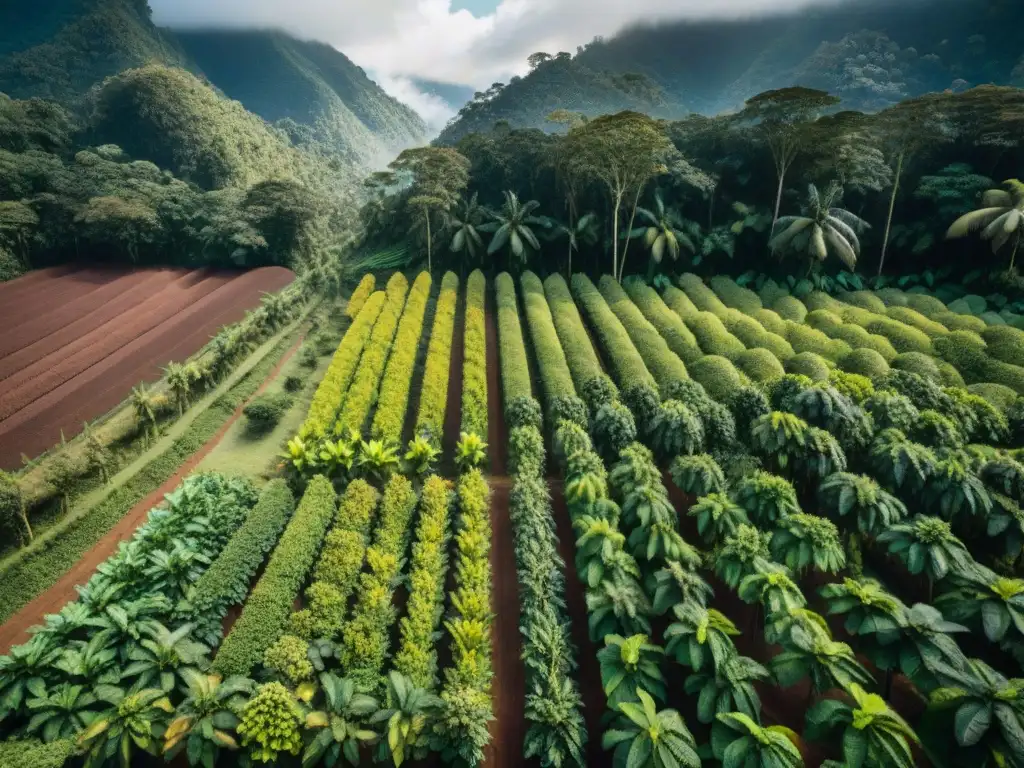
(60, 49)
(872, 54)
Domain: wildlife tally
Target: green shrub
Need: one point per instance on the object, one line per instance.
(288, 658)
(771, 292)
(807, 339)
(12, 509)
(523, 412)
(810, 365)
(865, 300)
(929, 306)
(359, 296)
(866, 362)
(579, 352)
(226, 582)
(966, 351)
(734, 295)
(856, 315)
(759, 365)
(924, 393)
(664, 364)
(790, 308)
(915, 319)
(894, 297)
(771, 321)
(903, 337)
(515, 370)
(474, 359)
(1000, 395)
(332, 388)
(858, 338)
(702, 297)
(915, 362)
(428, 565)
(553, 368)
(669, 324)
(265, 411)
(822, 319)
(1005, 343)
(293, 383)
(854, 386)
(526, 451)
(434, 386)
(366, 636)
(266, 611)
(678, 301)
(629, 367)
(752, 334)
(718, 376)
(1011, 376)
(32, 753)
(713, 336)
(948, 375)
(970, 304)
(396, 382)
(891, 410)
(613, 427)
(362, 394)
(957, 322)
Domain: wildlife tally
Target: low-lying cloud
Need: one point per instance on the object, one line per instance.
(395, 40)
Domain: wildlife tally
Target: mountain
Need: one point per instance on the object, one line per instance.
(450, 93)
(871, 53)
(281, 78)
(60, 49)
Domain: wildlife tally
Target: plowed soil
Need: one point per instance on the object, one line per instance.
(77, 340)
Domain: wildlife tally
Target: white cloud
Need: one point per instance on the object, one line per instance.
(398, 39)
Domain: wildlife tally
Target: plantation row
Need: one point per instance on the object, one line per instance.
(755, 452)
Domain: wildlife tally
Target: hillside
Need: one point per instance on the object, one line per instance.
(279, 77)
(872, 54)
(59, 50)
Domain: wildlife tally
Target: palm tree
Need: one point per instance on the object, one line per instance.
(873, 734)
(663, 234)
(144, 405)
(729, 687)
(1001, 220)
(700, 636)
(738, 734)
(629, 664)
(204, 721)
(583, 232)
(97, 455)
(811, 652)
(60, 713)
(512, 227)
(180, 378)
(643, 737)
(133, 721)
(927, 545)
(342, 725)
(822, 230)
(466, 223)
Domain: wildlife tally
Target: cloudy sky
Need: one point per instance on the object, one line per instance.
(468, 42)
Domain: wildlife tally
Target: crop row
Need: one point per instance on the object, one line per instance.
(332, 388)
(362, 393)
(474, 363)
(389, 419)
(434, 387)
(266, 612)
(581, 358)
(360, 295)
(366, 635)
(515, 371)
(466, 692)
(428, 566)
(226, 581)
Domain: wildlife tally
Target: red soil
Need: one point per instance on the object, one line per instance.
(15, 630)
(55, 381)
(508, 688)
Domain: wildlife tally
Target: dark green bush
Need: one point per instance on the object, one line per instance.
(999, 395)
(760, 364)
(866, 362)
(294, 383)
(916, 362)
(265, 411)
(810, 365)
(717, 375)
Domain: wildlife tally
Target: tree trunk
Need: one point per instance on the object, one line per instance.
(569, 267)
(711, 209)
(25, 524)
(615, 234)
(426, 215)
(778, 199)
(892, 207)
(1016, 247)
(632, 221)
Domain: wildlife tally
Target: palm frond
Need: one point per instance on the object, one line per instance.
(796, 225)
(973, 221)
(996, 198)
(841, 246)
(852, 220)
(846, 231)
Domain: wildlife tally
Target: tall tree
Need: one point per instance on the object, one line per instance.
(466, 225)
(906, 130)
(437, 177)
(784, 118)
(623, 152)
(513, 226)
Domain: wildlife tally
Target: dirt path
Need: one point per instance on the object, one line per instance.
(508, 688)
(15, 630)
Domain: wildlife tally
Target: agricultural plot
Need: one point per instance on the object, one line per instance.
(734, 523)
(76, 341)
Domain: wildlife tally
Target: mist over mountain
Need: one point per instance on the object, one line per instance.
(869, 53)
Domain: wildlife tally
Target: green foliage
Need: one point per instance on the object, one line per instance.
(700, 637)
(741, 554)
(267, 608)
(698, 475)
(359, 296)
(766, 498)
(811, 652)
(396, 380)
(718, 517)
(613, 427)
(407, 722)
(515, 370)
(802, 541)
(668, 323)
(676, 430)
(737, 736)
(416, 658)
(718, 376)
(645, 737)
(712, 335)
(336, 381)
(474, 366)
(874, 510)
(900, 463)
(555, 374)
(286, 658)
(984, 600)
(579, 353)
(12, 509)
(628, 665)
(342, 726)
(271, 724)
(434, 387)
(759, 365)
(265, 411)
(873, 733)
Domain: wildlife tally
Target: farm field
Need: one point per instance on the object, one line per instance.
(561, 518)
(76, 341)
